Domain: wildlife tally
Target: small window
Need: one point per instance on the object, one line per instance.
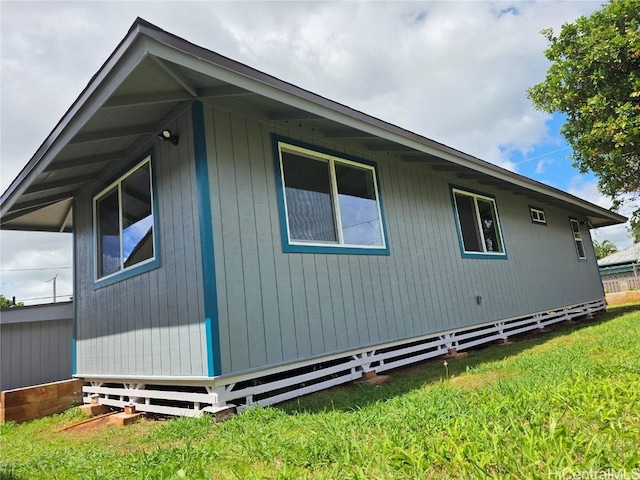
(537, 216)
(478, 224)
(577, 238)
(124, 222)
(330, 204)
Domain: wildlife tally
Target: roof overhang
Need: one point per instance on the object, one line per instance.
(153, 76)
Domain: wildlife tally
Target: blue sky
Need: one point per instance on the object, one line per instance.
(456, 72)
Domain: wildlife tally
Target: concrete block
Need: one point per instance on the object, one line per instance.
(94, 409)
(125, 418)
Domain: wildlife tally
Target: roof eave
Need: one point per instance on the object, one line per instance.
(163, 44)
(42, 157)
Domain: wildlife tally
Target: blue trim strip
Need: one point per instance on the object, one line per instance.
(479, 255)
(338, 249)
(212, 330)
(288, 247)
(129, 272)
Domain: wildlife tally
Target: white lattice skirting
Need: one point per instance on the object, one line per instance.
(191, 396)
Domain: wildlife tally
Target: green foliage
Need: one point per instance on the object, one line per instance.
(604, 248)
(6, 303)
(634, 228)
(594, 79)
(550, 406)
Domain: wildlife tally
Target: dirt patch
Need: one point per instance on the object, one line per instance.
(620, 298)
(477, 380)
(88, 426)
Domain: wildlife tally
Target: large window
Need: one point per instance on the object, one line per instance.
(577, 238)
(124, 223)
(330, 204)
(478, 224)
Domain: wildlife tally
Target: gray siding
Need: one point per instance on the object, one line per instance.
(35, 345)
(276, 307)
(152, 323)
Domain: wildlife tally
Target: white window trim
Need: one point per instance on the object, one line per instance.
(538, 215)
(96, 198)
(331, 160)
(577, 237)
(475, 197)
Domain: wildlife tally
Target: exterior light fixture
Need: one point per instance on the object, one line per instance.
(167, 136)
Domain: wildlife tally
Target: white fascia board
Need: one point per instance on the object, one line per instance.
(98, 91)
(365, 124)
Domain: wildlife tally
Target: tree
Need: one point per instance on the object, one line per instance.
(634, 228)
(594, 79)
(604, 248)
(6, 303)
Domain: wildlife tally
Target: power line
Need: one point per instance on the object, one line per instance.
(41, 298)
(32, 269)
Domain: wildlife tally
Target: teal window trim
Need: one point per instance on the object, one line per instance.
(147, 265)
(576, 240)
(538, 215)
(339, 249)
(470, 254)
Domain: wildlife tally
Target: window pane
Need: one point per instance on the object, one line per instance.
(575, 227)
(308, 197)
(358, 206)
(468, 223)
(137, 218)
(580, 248)
(108, 234)
(489, 226)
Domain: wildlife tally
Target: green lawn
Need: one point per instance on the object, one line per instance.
(543, 407)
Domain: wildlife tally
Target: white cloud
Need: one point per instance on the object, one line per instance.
(542, 164)
(456, 72)
(28, 262)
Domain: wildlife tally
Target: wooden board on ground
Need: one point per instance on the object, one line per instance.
(39, 401)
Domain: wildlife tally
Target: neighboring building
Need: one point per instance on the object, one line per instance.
(35, 344)
(273, 242)
(620, 271)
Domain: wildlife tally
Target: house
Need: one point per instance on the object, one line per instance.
(240, 240)
(620, 271)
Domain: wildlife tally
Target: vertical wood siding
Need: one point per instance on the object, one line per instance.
(276, 307)
(152, 323)
(36, 352)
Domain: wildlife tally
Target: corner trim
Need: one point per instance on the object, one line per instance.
(74, 307)
(211, 321)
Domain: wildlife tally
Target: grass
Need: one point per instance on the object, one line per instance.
(565, 402)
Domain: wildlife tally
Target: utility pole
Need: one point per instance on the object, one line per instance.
(54, 286)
